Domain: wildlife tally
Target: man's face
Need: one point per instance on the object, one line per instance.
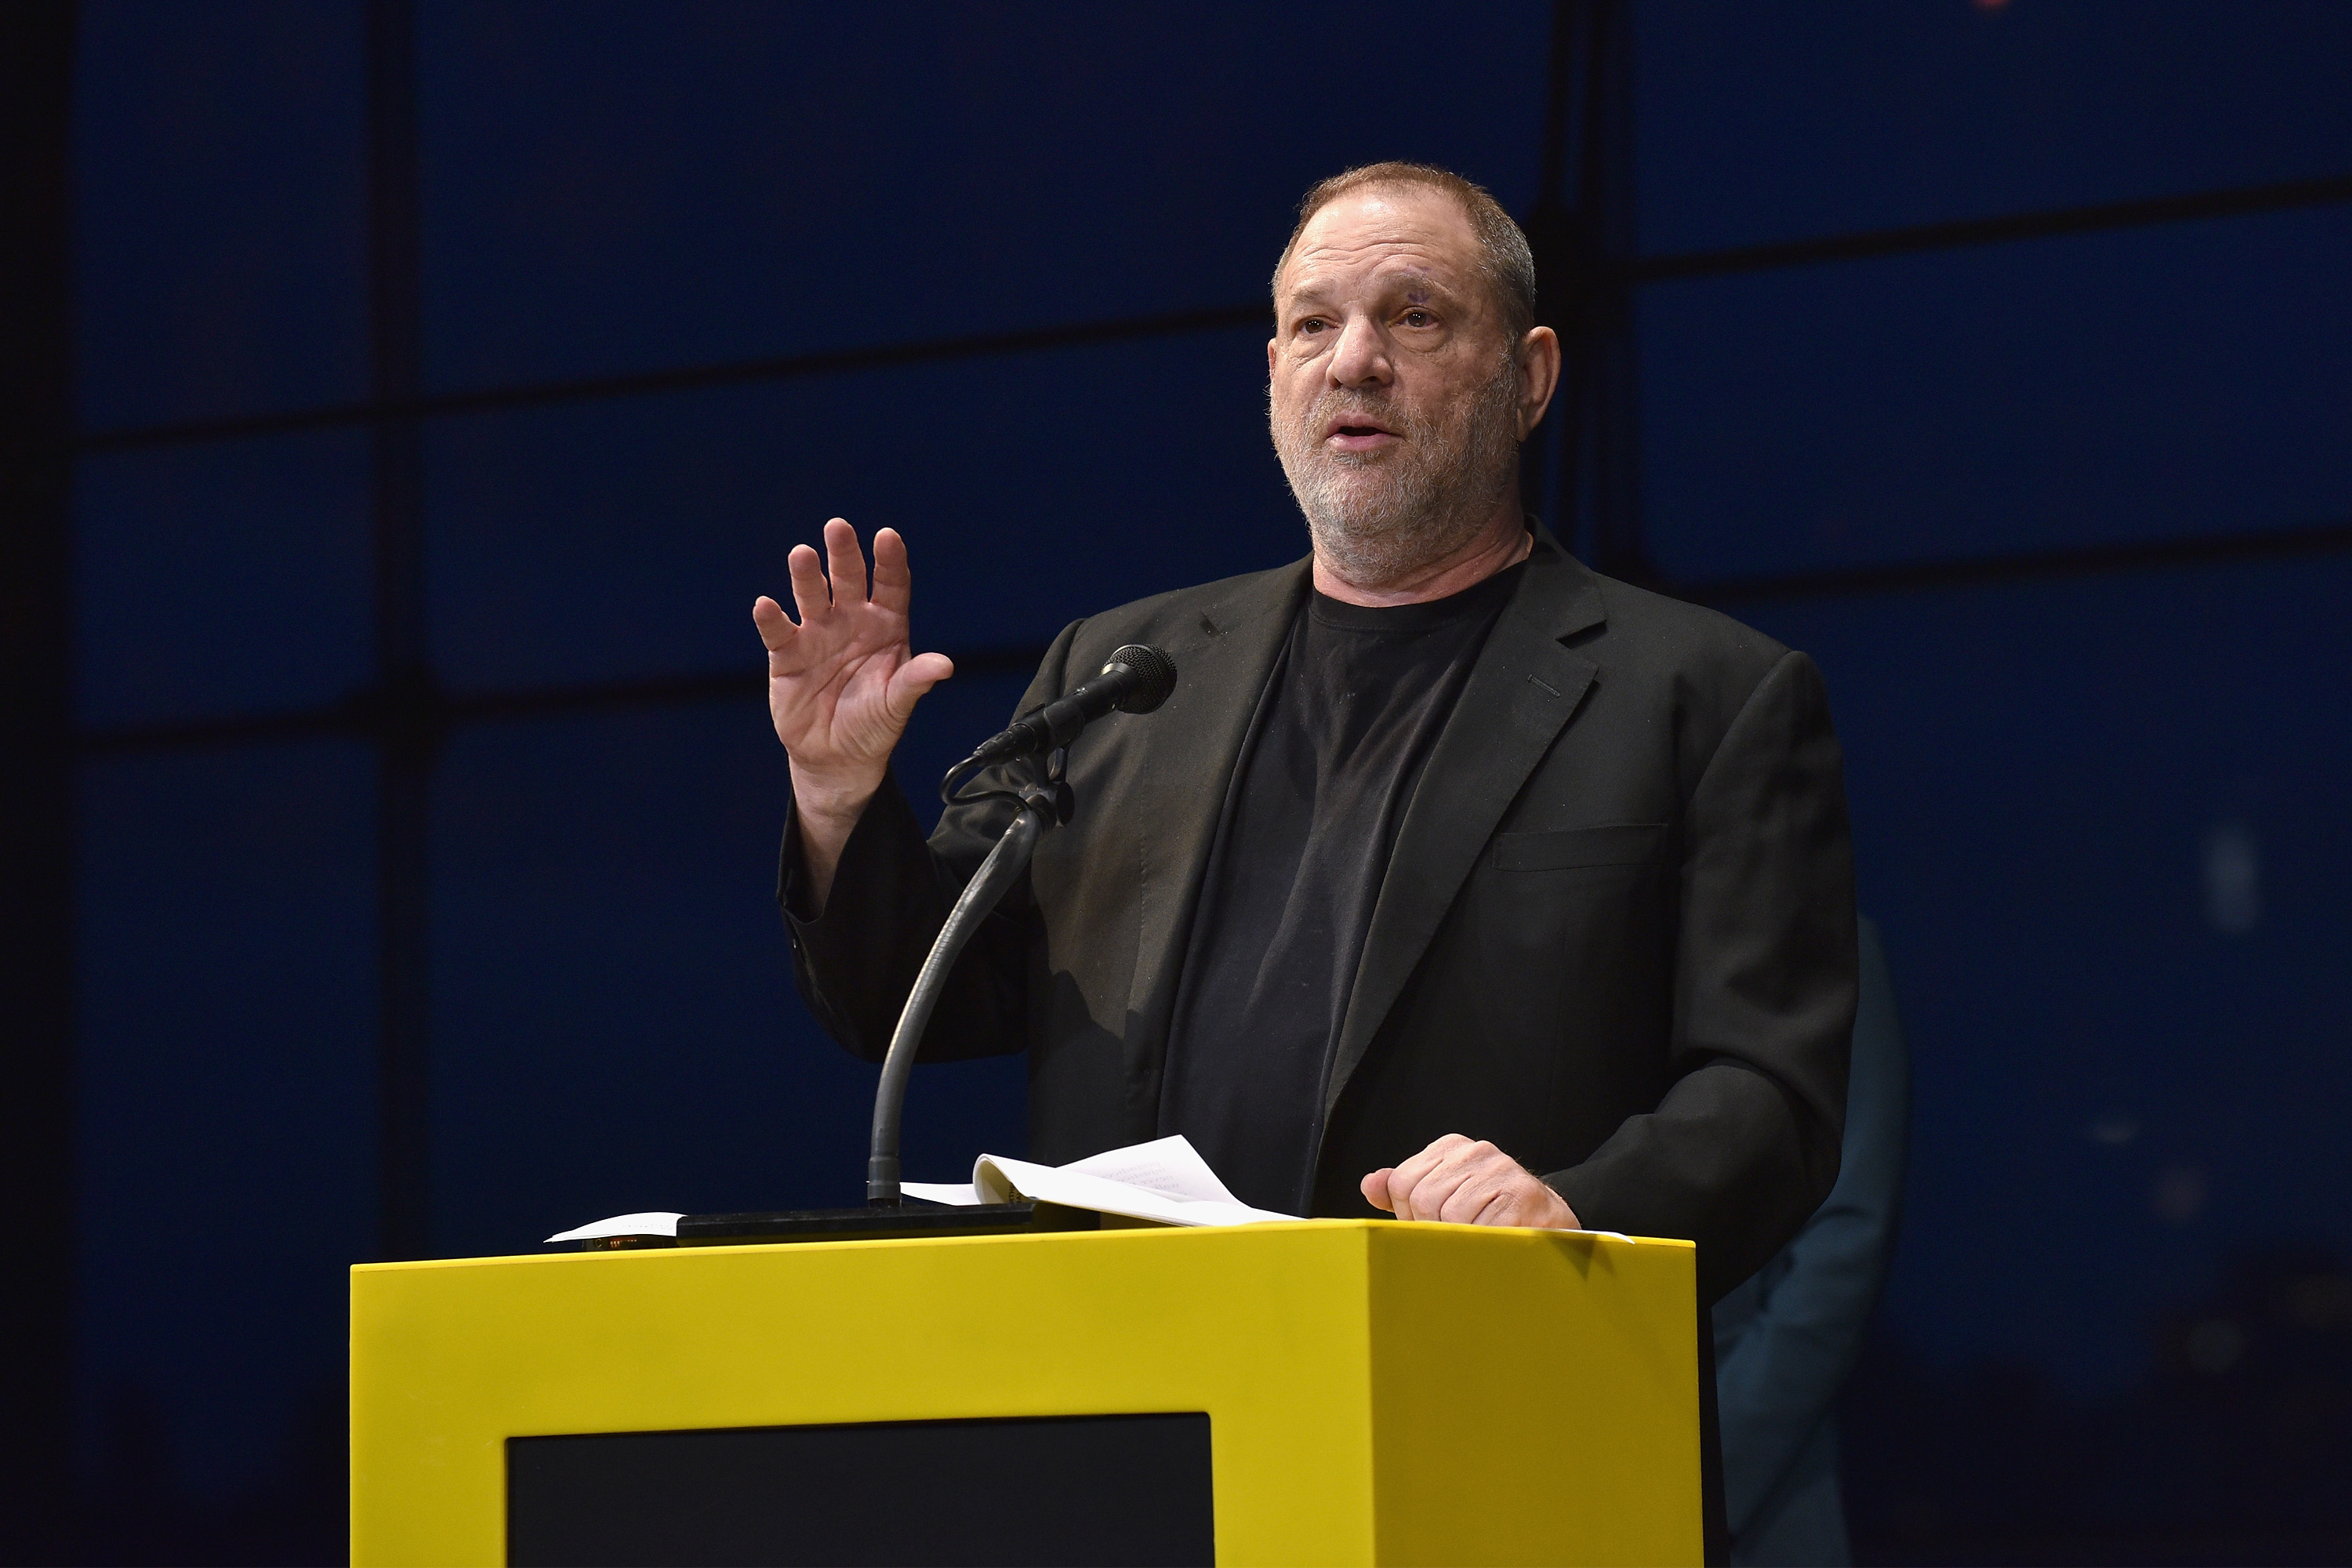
(1393, 391)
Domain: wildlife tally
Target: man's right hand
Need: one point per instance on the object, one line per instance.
(842, 685)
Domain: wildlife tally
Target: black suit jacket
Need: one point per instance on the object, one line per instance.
(1616, 936)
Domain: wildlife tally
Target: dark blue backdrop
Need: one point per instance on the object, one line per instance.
(2101, 819)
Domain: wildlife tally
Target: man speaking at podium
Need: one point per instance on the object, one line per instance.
(1454, 878)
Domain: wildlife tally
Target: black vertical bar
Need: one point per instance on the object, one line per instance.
(1550, 231)
(1613, 386)
(1582, 231)
(409, 715)
(37, 771)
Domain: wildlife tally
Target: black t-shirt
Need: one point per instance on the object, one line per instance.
(1355, 702)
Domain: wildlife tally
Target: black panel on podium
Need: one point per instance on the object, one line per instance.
(1107, 1490)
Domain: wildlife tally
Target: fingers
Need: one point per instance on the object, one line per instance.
(776, 628)
(1463, 1181)
(1406, 1184)
(846, 562)
(837, 577)
(810, 595)
(1456, 1192)
(893, 584)
(911, 679)
(1485, 1184)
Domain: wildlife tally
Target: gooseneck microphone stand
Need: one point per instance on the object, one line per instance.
(1041, 800)
(1033, 753)
(1136, 678)
(1043, 803)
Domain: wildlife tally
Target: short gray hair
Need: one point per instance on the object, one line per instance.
(1505, 262)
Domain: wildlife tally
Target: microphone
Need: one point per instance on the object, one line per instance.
(1135, 679)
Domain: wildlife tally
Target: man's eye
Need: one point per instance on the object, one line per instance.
(1417, 317)
(1310, 326)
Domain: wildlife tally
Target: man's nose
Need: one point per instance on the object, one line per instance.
(1362, 356)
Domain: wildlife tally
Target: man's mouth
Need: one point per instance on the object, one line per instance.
(1358, 435)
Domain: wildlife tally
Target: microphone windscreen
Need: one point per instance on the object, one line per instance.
(1155, 677)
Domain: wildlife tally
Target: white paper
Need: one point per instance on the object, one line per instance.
(1165, 1180)
(653, 1223)
(1169, 1166)
(963, 1195)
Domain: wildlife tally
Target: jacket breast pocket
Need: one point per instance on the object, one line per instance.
(1568, 849)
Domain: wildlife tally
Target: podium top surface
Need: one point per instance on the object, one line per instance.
(1605, 1243)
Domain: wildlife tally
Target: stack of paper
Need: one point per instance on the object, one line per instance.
(658, 1222)
(1165, 1180)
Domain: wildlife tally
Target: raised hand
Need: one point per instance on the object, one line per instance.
(842, 683)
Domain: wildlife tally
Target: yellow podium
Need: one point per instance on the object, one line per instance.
(1362, 1390)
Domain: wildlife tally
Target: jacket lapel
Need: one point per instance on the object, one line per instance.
(1519, 696)
(1174, 822)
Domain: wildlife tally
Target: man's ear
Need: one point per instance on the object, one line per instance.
(1538, 376)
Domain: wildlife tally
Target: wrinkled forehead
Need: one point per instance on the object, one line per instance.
(1388, 240)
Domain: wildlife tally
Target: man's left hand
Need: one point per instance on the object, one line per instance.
(1467, 1182)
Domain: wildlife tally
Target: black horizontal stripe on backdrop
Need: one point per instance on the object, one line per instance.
(371, 712)
(2100, 217)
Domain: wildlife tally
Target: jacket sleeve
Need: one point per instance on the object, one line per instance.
(855, 961)
(1787, 1339)
(1744, 1144)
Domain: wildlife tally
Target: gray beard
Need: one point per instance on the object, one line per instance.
(1378, 519)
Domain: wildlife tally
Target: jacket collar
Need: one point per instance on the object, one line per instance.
(1225, 663)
